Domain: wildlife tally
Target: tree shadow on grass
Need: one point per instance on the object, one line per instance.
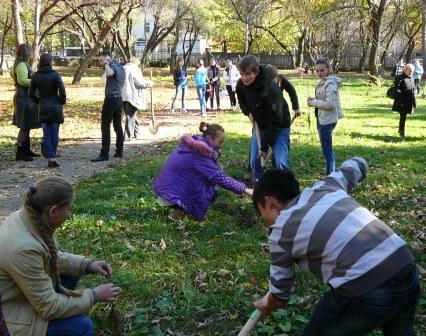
(387, 138)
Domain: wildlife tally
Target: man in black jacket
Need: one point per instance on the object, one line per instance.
(261, 99)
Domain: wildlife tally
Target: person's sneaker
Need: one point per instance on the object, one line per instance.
(172, 111)
(100, 158)
(184, 111)
(118, 155)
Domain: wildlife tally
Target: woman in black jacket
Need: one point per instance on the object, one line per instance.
(405, 100)
(51, 98)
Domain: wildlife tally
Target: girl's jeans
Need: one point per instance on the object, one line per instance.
(326, 138)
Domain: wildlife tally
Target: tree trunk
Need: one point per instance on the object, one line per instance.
(376, 17)
(106, 30)
(173, 54)
(7, 26)
(16, 10)
(300, 48)
(35, 52)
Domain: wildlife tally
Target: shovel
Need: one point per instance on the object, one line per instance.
(251, 323)
(153, 128)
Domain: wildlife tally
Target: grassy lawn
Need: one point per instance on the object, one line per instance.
(201, 278)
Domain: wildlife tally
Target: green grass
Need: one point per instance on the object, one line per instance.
(208, 275)
(204, 281)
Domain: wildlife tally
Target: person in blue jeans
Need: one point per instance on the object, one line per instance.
(260, 98)
(180, 79)
(48, 91)
(371, 274)
(200, 79)
(327, 110)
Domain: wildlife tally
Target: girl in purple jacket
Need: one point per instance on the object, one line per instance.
(188, 179)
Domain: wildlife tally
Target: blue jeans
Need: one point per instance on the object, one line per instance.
(50, 138)
(326, 138)
(180, 88)
(390, 307)
(201, 93)
(280, 151)
(71, 326)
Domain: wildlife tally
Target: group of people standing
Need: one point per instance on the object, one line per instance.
(39, 99)
(207, 83)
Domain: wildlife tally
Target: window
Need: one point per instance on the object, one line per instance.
(147, 27)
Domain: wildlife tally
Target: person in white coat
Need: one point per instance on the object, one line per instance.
(231, 76)
(328, 110)
(417, 75)
(134, 97)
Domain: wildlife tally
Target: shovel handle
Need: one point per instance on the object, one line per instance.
(251, 323)
(259, 143)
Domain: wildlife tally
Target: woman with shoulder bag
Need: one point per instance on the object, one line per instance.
(405, 100)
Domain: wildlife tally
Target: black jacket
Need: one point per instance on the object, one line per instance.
(285, 85)
(405, 99)
(263, 99)
(51, 97)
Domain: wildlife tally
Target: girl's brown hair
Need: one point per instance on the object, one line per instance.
(210, 129)
(45, 193)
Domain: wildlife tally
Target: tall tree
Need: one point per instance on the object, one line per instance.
(377, 10)
(16, 12)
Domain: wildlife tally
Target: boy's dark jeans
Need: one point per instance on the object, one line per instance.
(111, 111)
(389, 307)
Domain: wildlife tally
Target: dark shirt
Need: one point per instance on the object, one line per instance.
(115, 83)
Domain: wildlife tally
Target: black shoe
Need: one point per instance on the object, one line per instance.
(100, 158)
(118, 155)
(28, 150)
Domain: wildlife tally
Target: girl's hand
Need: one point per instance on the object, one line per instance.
(267, 304)
(107, 293)
(310, 102)
(248, 192)
(101, 267)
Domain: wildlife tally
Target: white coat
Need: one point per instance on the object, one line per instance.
(231, 78)
(134, 85)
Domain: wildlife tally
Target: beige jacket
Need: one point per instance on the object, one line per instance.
(28, 297)
(328, 100)
(133, 90)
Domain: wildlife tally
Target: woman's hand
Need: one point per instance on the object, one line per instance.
(101, 267)
(106, 293)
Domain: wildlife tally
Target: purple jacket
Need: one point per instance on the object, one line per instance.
(190, 174)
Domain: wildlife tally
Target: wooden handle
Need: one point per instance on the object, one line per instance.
(259, 143)
(251, 323)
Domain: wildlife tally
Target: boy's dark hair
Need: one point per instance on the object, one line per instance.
(106, 53)
(249, 63)
(279, 183)
(46, 59)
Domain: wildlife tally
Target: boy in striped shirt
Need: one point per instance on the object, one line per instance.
(372, 274)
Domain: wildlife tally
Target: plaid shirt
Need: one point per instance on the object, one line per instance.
(398, 70)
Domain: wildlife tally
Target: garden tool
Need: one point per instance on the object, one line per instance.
(251, 323)
(153, 128)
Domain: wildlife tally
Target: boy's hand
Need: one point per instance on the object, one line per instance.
(297, 113)
(310, 101)
(267, 304)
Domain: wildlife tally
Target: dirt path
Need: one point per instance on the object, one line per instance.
(75, 158)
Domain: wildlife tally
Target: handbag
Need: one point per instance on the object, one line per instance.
(393, 90)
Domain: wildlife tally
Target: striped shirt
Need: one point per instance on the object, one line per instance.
(326, 232)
